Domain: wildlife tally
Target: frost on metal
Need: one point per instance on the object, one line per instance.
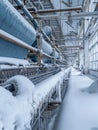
(18, 110)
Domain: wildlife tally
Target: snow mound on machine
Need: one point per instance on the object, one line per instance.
(15, 111)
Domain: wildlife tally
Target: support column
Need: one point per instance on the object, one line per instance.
(39, 43)
(39, 46)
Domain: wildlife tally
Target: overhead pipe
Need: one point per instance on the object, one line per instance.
(4, 35)
(78, 8)
(86, 14)
(75, 16)
(64, 46)
(70, 39)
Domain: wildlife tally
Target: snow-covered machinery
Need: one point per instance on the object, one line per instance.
(21, 104)
(20, 38)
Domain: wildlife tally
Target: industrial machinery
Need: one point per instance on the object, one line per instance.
(15, 28)
(26, 49)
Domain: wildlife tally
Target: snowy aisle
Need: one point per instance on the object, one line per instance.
(79, 110)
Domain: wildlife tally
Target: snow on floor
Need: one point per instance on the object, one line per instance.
(79, 110)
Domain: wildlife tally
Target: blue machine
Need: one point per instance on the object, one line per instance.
(13, 23)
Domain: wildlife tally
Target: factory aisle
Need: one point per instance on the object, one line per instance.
(79, 110)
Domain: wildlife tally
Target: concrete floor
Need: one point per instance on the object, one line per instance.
(79, 110)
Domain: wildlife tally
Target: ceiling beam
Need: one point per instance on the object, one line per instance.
(67, 53)
(54, 10)
(70, 39)
(71, 56)
(61, 46)
(74, 16)
(86, 14)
